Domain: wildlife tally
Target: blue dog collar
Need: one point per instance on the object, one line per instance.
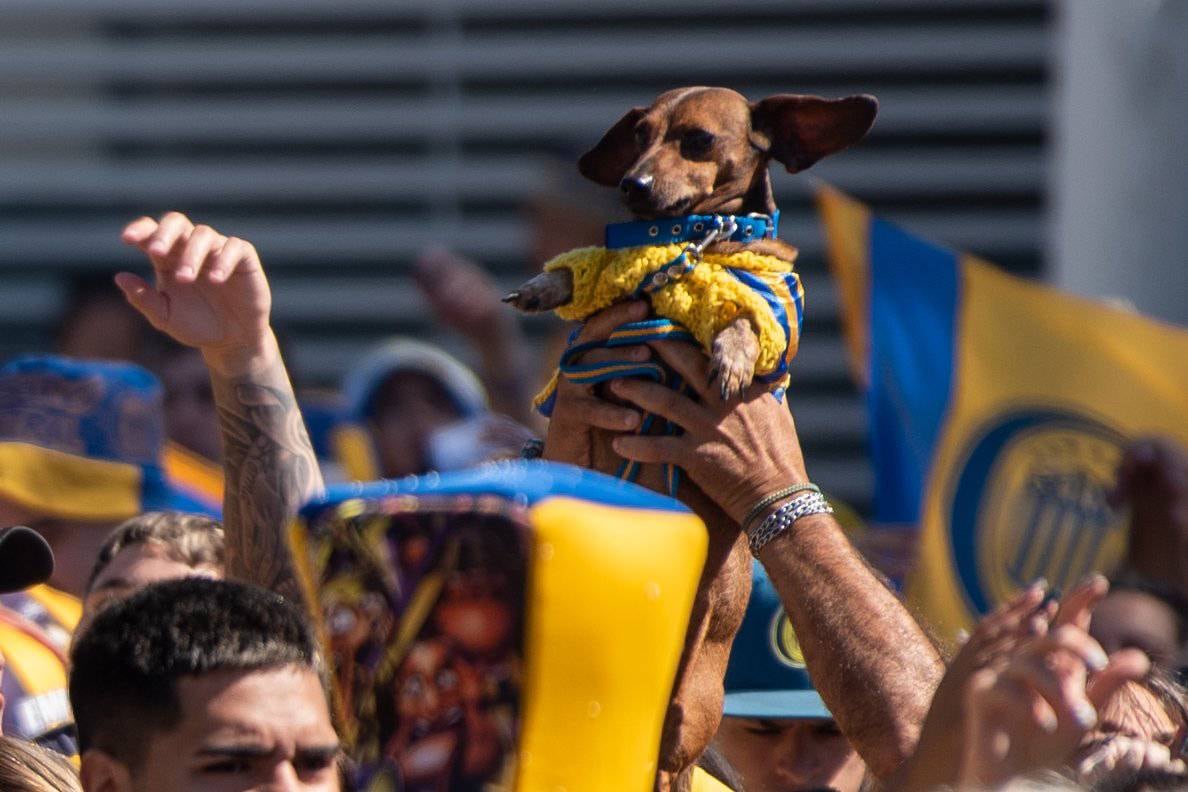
(688, 228)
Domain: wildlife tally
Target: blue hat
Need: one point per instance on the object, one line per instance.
(81, 439)
(766, 678)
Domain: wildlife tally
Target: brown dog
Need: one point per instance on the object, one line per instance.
(706, 151)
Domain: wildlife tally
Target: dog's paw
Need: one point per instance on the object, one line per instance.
(732, 372)
(732, 362)
(545, 292)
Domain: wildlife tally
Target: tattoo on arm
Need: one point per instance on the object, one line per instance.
(270, 470)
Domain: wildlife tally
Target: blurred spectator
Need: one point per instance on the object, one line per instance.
(414, 408)
(468, 301)
(153, 547)
(196, 681)
(191, 419)
(80, 444)
(776, 732)
(1147, 606)
(27, 767)
(97, 323)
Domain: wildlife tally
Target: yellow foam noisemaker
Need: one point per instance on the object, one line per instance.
(513, 627)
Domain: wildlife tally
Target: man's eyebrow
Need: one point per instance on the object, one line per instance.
(257, 751)
(319, 753)
(240, 751)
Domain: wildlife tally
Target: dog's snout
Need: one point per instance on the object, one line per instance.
(636, 186)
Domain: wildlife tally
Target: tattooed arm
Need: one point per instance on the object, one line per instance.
(210, 293)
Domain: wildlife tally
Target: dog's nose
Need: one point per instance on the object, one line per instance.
(636, 186)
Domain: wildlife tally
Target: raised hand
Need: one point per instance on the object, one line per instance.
(209, 290)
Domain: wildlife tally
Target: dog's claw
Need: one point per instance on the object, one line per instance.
(511, 297)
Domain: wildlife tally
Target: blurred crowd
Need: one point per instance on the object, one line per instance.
(160, 453)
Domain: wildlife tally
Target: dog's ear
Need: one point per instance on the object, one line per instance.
(608, 161)
(799, 130)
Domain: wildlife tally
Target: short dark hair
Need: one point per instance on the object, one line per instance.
(125, 666)
(191, 539)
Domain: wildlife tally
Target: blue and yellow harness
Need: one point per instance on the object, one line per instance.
(695, 295)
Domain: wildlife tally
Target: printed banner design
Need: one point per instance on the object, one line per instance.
(481, 624)
(999, 410)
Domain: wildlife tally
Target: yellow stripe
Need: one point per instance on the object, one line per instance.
(189, 471)
(846, 224)
(65, 608)
(35, 666)
(782, 293)
(354, 451)
(599, 670)
(65, 486)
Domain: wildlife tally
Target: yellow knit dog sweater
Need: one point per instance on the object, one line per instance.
(704, 300)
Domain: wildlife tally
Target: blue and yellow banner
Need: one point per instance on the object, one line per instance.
(999, 409)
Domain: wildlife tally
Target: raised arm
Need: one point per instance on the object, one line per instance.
(869, 659)
(210, 293)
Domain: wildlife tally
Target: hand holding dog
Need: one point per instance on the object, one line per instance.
(209, 292)
(736, 451)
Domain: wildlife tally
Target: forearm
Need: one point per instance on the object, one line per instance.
(872, 664)
(269, 464)
(502, 367)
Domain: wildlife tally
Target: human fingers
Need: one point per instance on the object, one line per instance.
(1076, 608)
(234, 255)
(138, 230)
(172, 227)
(602, 324)
(1062, 701)
(664, 449)
(687, 360)
(594, 412)
(151, 304)
(663, 401)
(599, 355)
(201, 242)
(1125, 665)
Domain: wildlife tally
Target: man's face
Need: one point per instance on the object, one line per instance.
(135, 567)
(254, 730)
(785, 755)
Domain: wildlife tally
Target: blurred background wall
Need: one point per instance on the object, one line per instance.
(343, 136)
(1120, 181)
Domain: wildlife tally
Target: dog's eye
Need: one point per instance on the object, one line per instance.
(696, 143)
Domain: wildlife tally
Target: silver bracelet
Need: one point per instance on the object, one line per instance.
(782, 519)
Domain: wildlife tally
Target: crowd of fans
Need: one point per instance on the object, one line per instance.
(166, 646)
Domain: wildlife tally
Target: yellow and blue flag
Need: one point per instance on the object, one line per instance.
(999, 409)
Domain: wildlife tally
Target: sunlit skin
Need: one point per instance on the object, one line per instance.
(135, 567)
(265, 731)
(786, 755)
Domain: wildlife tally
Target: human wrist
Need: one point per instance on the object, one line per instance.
(782, 516)
(240, 360)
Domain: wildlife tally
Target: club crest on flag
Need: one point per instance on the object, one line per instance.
(1030, 501)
